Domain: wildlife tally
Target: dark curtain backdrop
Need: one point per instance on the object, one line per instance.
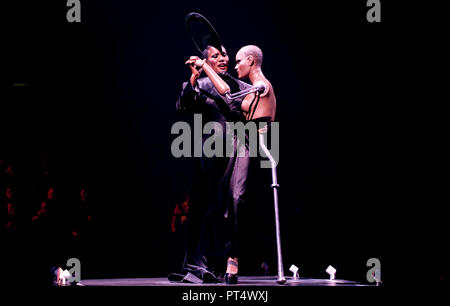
(100, 101)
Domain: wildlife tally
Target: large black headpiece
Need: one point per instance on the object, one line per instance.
(202, 32)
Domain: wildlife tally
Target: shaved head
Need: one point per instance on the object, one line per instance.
(254, 51)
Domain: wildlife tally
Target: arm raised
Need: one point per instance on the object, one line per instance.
(221, 86)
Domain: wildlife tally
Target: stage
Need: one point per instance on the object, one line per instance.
(252, 281)
(250, 289)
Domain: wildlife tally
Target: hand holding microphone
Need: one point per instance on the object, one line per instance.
(196, 64)
(195, 61)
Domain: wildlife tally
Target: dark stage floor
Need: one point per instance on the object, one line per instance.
(243, 281)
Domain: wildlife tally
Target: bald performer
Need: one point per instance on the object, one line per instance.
(248, 65)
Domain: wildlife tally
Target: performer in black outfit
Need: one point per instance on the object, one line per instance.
(205, 249)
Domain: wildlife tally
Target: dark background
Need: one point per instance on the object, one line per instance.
(100, 102)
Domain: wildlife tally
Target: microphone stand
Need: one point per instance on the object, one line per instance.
(281, 279)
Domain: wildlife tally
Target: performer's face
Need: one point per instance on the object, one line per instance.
(242, 65)
(217, 60)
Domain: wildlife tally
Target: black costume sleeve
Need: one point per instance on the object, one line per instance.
(190, 100)
(202, 97)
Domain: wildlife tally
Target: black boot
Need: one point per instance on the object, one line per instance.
(231, 279)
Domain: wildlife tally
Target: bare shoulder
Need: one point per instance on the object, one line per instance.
(267, 87)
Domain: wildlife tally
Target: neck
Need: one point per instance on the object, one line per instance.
(255, 74)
